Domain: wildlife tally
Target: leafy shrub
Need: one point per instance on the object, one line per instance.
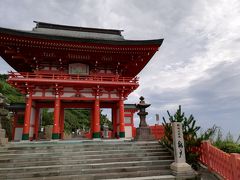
(227, 144)
(12, 95)
(229, 147)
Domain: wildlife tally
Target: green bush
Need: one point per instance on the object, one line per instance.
(12, 95)
(74, 119)
(229, 147)
(227, 144)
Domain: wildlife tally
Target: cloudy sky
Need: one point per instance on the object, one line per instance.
(198, 65)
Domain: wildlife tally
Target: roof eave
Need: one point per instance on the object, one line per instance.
(30, 34)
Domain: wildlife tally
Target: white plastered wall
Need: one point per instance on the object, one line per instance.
(128, 132)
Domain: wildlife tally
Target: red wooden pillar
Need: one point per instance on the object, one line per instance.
(36, 124)
(55, 131)
(114, 121)
(121, 119)
(26, 127)
(96, 120)
(62, 123)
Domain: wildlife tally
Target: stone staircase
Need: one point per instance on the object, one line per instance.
(85, 160)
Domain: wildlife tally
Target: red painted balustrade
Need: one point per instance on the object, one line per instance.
(63, 76)
(224, 164)
(157, 131)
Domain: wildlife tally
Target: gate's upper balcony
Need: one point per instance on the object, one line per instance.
(70, 79)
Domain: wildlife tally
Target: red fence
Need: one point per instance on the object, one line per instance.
(226, 165)
(157, 131)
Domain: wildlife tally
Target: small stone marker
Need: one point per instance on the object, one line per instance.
(179, 167)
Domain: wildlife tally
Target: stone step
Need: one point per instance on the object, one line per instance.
(83, 157)
(84, 160)
(78, 142)
(83, 166)
(103, 173)
(168, 177)
(74, 149)
(17, 151)
(65, 144)
(126, 175)
(47, 154)
(82, 154)
(13, 146)
(63, 161)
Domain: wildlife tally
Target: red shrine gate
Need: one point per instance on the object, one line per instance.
(74, 67)
(18, 109)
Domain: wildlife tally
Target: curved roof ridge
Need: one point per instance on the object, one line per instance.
(77, 28)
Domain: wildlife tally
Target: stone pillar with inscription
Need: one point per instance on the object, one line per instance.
(179, 166)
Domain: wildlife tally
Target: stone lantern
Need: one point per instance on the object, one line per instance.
(143, 132)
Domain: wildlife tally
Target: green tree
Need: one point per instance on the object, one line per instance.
(80, 119)
(12, 95)
(190, 135)
(47, 117)
(105, 121)
(76, 119)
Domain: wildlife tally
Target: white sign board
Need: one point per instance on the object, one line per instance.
(79, 68)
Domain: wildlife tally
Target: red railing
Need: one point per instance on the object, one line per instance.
(63, 76)
(224, 164)
(157, 131)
